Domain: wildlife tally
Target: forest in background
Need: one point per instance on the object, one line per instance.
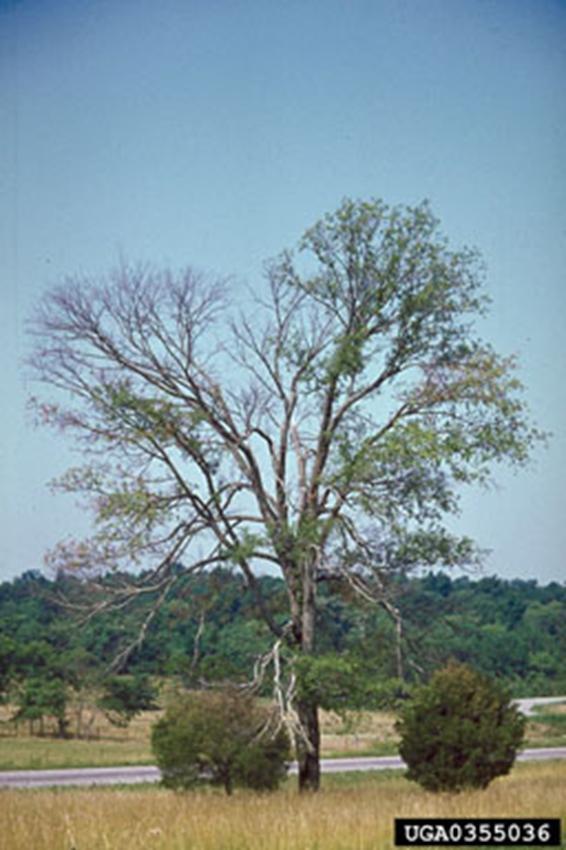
(210, 631)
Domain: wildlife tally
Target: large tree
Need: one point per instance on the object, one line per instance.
(324, 430)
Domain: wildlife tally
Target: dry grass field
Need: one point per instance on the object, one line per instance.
(365, 733)
(350, 813)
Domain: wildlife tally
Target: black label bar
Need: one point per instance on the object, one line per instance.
(475, 832)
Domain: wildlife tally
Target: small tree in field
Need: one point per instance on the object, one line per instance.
(126, 696)
(459, 731)
(221, 737)
(44, 696)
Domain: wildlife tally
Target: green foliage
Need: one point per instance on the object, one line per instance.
(43, 697)
(8, 648)
(331, 681)
(514, 630)
(459, 731)
(220, 737)
(344, 682)
(126, 696)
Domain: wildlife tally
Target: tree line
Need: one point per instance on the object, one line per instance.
(210, 632)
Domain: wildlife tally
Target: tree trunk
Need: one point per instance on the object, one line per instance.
(309, 758)
(227, 780)
(62, 727)
(309, 755)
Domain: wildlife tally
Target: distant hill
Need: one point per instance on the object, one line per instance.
(210, 630)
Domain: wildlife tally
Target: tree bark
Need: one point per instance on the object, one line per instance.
(309, 758)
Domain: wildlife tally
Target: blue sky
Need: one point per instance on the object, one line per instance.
(213, 132)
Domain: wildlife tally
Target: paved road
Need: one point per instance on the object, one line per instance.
(136, 775)
(79, 776)
(527, 706)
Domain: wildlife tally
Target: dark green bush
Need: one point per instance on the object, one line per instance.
(219, 737)
(459, 731)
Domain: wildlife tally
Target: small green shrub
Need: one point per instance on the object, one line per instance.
(459, 731)
(219, 737)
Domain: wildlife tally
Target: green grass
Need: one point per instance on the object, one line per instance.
(547, 726)
(51, 753)
(554, 720)
(110, 747)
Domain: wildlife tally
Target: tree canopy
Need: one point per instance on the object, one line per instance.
(324, 431)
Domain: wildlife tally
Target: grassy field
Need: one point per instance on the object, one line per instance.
(361, 733)
(366, 733)
(350, 813)
(548, 726)
(109, 746)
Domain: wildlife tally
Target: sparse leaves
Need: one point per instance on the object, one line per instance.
(326, 431)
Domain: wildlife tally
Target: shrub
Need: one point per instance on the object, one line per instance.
(459, 731)
(219, 737)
